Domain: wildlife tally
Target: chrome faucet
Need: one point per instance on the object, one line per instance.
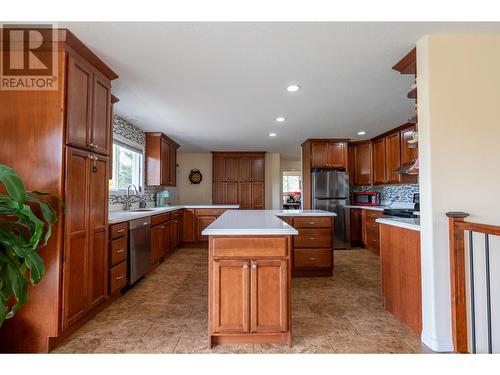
(127, 202)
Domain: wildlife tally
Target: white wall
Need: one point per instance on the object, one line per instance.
(459, 136)
(189, 193)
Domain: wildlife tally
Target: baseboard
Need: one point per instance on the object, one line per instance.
(438, 345)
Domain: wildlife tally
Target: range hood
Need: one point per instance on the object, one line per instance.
(411, 169)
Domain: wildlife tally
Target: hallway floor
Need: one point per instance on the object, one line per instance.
(167, 313)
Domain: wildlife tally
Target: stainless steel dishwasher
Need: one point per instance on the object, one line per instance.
(139, 257)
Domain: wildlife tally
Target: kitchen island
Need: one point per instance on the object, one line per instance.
(250, 276)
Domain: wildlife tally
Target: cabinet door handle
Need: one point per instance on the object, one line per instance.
(120, 251)
(245, 267)
(254, 266)
(313, 259)
(119, 278)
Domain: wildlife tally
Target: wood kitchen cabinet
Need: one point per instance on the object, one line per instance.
(249, 290)
(408, 155)
(188, 226)
(89, 107)
(238, 178)
(392, 159)
(160, 160)
(356, 225)
(360, 165)
(379, 170)
(329, 154)
(86, 261)
(202, 223)
(401, 274)
(371, 230)
(231, 280)
(313, 247)
(391, 151)
(57, 143)
(157, 244)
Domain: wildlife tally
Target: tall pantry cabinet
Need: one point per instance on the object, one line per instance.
(239, 178)
(59, 141)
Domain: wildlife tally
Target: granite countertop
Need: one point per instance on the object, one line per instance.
(258, 222)
(123, 215)
(402, 222)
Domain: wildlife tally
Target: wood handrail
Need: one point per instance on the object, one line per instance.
(457, 228)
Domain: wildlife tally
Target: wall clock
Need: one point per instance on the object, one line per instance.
(195, 176)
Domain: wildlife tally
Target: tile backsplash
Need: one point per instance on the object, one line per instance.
(391, 193)
(132, 133)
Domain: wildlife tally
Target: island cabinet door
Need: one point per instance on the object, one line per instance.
(269, 296)
(230, 306)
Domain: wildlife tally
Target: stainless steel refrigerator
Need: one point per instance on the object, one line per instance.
(330, 192)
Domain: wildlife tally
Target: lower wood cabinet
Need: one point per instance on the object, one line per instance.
(85, 281)
(204, 217)
(356, 227)
(371, 230)
(401, 274)
(249, 299)
(313, 246)
(118, 253)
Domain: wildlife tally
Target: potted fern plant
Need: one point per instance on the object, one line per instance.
(22, 233)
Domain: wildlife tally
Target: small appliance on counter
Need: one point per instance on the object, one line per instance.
(365, 198)
(162, 198)
(416, 201)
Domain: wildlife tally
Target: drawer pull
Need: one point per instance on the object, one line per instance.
(313, 259)
(119, 277)
(312, 222)
(312, 238)
(162, 227)
(120, 251)
(120, 231)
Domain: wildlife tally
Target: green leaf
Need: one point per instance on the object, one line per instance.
(13, 184)
(36, 267)
(19, 286)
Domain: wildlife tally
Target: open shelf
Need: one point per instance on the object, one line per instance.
(408, 64)
(412, 94)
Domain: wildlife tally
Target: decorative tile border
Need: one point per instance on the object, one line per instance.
(131, 132)
(391, 193)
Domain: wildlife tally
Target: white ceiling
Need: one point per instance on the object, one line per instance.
(220, 86)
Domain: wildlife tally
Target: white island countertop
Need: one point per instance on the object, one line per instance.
(123, 215)
(402, 222)
(257, 222)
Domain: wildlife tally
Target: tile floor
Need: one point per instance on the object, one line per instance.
(167, 313)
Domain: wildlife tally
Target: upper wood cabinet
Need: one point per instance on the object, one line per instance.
(392, 158)
(328, 153)
(360, 163)
(238, 178)
(161, 160)
(408, 155)
(89, 107)
(390, 152)
(379, 169)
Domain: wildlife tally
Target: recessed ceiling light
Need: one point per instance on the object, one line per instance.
(280, 119)
(362, 132)
(272, 134)
(293, 88)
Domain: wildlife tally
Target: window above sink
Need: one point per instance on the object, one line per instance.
(127, 166)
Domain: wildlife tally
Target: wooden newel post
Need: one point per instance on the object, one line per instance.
(457, 283)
